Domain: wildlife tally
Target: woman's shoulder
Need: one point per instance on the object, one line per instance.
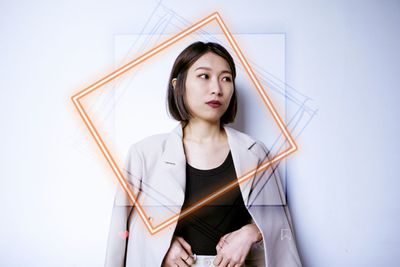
(151, 142)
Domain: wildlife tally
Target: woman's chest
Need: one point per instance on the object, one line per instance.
(206, 156)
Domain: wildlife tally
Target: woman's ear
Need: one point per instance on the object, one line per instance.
(173, 81)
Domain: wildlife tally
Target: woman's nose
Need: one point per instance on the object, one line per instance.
(216, 87)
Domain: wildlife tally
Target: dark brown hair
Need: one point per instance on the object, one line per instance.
(175, 97)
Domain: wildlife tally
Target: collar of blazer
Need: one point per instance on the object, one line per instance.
(240, 145)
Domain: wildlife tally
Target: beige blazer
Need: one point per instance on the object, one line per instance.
(156, 171)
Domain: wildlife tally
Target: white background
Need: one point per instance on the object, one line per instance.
(56, 190)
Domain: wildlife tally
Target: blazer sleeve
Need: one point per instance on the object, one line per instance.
(118, 236)
(273, 216)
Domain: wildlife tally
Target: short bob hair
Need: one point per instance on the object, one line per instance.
(175, 97)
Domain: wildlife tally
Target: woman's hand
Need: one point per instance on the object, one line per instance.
(179, 253)
(233, 248)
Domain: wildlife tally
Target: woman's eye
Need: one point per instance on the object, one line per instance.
(203, 76)
(227, 79)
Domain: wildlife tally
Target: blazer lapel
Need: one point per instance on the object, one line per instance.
(244, 160)
(175, 162)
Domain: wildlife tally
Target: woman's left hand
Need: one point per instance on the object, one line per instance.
(233, 248)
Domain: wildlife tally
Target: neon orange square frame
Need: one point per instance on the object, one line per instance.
(153, 229)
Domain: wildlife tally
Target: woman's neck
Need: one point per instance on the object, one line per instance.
(203, 132)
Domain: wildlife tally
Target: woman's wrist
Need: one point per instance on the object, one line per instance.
(253, 231)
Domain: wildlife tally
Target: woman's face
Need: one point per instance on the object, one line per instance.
(209, 79)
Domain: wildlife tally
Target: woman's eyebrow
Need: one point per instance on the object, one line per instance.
(207, 68)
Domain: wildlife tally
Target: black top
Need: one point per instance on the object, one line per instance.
(203, 228)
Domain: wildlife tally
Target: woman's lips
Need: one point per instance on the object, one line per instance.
(214, 104)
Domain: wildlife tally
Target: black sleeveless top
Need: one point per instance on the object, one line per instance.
(203, 228)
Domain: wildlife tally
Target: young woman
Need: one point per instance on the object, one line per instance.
(244, 226)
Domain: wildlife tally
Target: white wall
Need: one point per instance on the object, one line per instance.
(56, 190)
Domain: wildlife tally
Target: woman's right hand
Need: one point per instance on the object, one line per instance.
(179, 254)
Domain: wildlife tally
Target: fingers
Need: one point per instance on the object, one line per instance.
(217, 259)
(185, 245)
(232, 264)
(218, 248)
(181, 263)
(187, 254)
(224, 263)
(226, 236)
(223, 240)
(177, 261)
(188, 259)
(179, 253)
